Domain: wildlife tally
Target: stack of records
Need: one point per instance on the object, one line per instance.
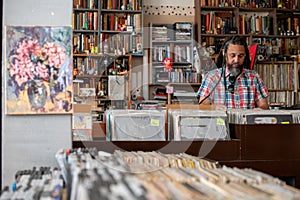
(239, 116)
(154, 175)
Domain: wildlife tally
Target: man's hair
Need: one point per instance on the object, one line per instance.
(235, 40)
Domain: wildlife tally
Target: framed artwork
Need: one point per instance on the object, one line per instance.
(38, 70)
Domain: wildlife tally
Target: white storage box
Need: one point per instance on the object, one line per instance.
(197, 124)
(135, 125)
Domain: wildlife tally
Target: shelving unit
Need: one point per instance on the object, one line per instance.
(174, 42)
(107, 42)
(121, 29)
(107, 76)
(273, 25)
(85, 24)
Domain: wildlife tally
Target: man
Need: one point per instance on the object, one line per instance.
(233, 84)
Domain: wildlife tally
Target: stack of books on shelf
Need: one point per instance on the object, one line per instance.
(90, 4)
(255, 24)
(183, 31)
(122, 4)
(161, 32)
(160, 94)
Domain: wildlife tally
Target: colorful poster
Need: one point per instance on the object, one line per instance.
(38, 70)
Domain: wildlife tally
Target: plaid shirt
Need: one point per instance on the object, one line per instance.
(248, 89)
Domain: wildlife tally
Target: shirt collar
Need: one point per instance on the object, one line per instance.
(244, 74)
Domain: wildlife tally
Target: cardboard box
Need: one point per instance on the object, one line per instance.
(82, 108)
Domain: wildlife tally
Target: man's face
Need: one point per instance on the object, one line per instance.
(235, 57)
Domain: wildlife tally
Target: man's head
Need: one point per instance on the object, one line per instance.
(234, 55)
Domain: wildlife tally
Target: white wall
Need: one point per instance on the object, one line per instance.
(169, 2)
(33, 140)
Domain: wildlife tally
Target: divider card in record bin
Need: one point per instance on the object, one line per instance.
(135, 125)
(198, 125)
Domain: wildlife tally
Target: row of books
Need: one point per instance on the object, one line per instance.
(122, 4)
(180, 53)
(254, 24)
(277, 76)
(291, 4)
(89, 4)
(288, 26)
(121, 44)
(125, 22)
(101, 65)
(183, 31)
(85, 43)
(160, 52)
(85, 21)
(217, 22)
(178, 76)
(155, 175)
(161, 32)
(178, 31)
(281, 98)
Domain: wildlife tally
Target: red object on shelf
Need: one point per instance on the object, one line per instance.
(168, 64)
(252, 52)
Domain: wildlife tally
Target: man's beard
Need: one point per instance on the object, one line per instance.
(235, 71)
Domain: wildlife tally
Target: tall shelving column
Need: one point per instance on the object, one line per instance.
(172, 42)
(98, 74)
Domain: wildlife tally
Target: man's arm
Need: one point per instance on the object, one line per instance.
(205, 102)
(262, 104)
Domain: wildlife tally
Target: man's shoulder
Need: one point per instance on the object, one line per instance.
(215, 71)
(250, 72)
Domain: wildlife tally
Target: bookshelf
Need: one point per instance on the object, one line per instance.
(107, 77)
(85, 24)
(173, 42)
(121, 29)
(107, 43)
(273, 25)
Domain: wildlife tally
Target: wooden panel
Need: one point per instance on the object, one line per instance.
(268, 142)
(99, 131)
